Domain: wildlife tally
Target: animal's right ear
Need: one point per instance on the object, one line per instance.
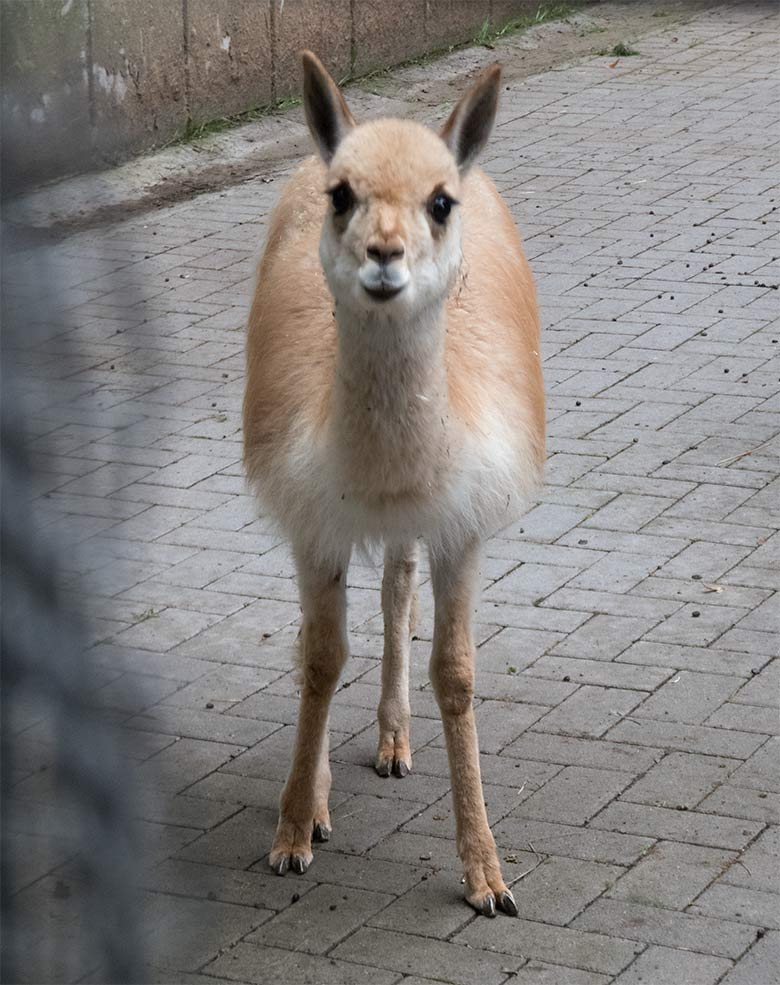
(327, 113)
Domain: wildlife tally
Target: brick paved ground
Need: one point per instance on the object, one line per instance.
(627, 686)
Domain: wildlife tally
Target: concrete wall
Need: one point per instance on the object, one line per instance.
(88, 82)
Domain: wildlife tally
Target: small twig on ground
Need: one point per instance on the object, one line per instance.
(735, 458)
(626, 718)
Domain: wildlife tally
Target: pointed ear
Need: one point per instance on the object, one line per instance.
(326, 111)
(467, 130)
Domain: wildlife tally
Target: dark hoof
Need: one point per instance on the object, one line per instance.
(488, 908)
(507, 903)
(300, 865)
(281, 866)
(321, 833)
(400, 768)
(384, 767)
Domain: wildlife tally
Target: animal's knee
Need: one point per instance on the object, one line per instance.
(452, 676)
(322, 658)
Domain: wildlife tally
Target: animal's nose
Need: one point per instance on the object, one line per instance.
(384, 252)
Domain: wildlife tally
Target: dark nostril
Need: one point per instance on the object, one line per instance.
(384, 254)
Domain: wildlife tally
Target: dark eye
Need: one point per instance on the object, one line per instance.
(342, 198)
(439, 207)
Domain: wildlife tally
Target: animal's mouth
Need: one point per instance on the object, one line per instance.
(383, 292)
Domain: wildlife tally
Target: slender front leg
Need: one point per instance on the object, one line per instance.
(398, 587)
(303, 809)
(455, 580)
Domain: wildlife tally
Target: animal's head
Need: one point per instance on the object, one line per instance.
(391, 240)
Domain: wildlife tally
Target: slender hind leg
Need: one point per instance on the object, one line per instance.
(303, 810)
(321, 824)
(452, 675)
(398, 595)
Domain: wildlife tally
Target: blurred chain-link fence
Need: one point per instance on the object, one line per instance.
(69, 906)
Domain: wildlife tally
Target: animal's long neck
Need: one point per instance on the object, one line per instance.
(390, 401)
(393, 366)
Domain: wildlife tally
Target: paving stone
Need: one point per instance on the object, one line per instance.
(707, 659)
(591, 952)
(688, 629)
(750, 718)
(709, 561)
(573, 842)
(538, 973)
(755, 868)
(186, 933)
(571, 751)
(197, 724)
(607, 602)
(574, 795)
(362, 821)
(273, 965)
(559, 888)
(433, 908)
(687, 738)
(362, 872)
(182, 878)
(680, 780)
(617, 573)
(161, 631)
(416, 786)
(760, 771)
(237, 843)
(669, 928)
(516, 648)
(628, 512)
(606, 673)
(740, 802)
(591, 711)
(762, 689)
(671, 875)
(759, 964)
(407, 952)
(696, 827)
(181, 811)
(697, 591)
(522, 687)
(668, 966)
(740, 904)
(603, 637)
(529, 583)
(184, 762)
(324, 916)
(408, 847)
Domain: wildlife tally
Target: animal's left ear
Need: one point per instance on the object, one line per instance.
(467, 130)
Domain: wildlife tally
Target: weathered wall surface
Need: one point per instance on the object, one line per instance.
(87, 82)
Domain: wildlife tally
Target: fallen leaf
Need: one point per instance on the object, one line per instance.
(712, 588)
(613, 64)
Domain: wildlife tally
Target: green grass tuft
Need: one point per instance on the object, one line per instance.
(624, 50)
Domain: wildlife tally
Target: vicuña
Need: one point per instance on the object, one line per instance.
(394, 395)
